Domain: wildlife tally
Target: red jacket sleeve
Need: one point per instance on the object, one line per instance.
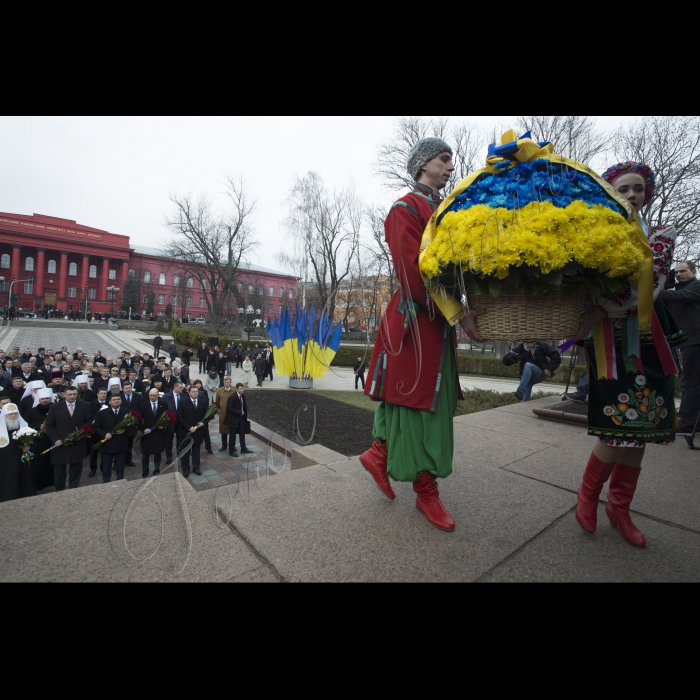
(404, 234)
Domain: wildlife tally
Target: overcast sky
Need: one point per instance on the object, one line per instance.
(115, 173)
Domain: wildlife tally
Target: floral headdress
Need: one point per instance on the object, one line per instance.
(631, 166)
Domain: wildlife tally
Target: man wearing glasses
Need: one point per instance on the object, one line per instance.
(684, 303)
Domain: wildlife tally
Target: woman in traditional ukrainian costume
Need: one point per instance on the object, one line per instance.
(414, 374)
(632, 372)
(15, 478)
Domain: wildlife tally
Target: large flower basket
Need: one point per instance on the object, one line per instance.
(532, 238)
(522, 317)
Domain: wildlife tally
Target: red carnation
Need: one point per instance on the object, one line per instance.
(171, 417)
(88, 430)
(137, 415)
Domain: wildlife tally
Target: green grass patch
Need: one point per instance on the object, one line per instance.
(352, 398)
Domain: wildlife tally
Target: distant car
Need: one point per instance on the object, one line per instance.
(201, 321)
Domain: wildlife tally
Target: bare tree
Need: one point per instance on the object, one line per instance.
(578, 138)
(325, 228)
(466, 139)
(210, 245)
(377, 249)
(670, 145)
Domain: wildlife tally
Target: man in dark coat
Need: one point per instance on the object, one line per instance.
(221, 365)
(115, 449)
(63, 419)
(269, 363)
(203, 356)
(236, 419)
(537, 362)
(131, 401)
(684, 303)
(359, 371)
(41, 469)
(153, 442)
(259, 368)
(45, 370)
(190, 418)
(95, 407)
(187, 357)
(212, 359)
(157, 346)
(172, 403)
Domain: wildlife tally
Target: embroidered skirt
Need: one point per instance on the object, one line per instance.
(639, 407)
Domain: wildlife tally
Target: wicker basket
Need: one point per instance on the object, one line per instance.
(522, 317)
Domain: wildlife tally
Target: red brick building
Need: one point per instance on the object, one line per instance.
(59, 263)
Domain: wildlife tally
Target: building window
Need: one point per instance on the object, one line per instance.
(281, 293)
(272, 291)
(161, 299)
(201, 303)
(146, 277)
(113, 274)
(190, 283)
(52, 267)
(250, 289)
(239, 286)
(4, 286)
(270, 309)
(188, 302)
(291, 294)
(73, 270)
(175, 301)
(202, 317)
(93, 272)
(5, 263)
(132, 274)
(92, 293)
(72, 292)
(204, 285)
(29, 265)
(176, 280)
(280, 311)
(29, 287)
(189, 315)
(145, 299)
(161, 279)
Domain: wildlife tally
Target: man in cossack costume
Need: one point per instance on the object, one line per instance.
(414, 371)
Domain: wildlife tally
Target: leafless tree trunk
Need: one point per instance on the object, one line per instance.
(466, 139)
(211, 245)
(670, 145)
(325, 229)
(578, 138)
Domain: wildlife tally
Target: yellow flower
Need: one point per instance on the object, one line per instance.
(493, 241)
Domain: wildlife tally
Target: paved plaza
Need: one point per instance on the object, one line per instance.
(513, 496)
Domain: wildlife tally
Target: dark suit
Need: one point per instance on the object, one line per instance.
(236, 419)
(132, 404)
(95, 408)
(221, 365)
(45, 373)
(269, 364)
(114, 450)
(187, 417)
(59, 425)
(153, 444)
(260, 369)
(172, 431)
(202, 356)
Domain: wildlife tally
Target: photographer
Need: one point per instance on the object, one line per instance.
(538, 361)
(684, 304)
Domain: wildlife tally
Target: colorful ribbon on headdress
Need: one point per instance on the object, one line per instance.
(521, 149)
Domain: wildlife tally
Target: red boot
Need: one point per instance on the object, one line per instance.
(595, 478)
(622, 489)
(375, 462)
(429, 502)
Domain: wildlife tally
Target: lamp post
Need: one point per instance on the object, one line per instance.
(9, 294)
(113, 291)
(251, 314)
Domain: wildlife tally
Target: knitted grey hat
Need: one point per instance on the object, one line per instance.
(423, 152)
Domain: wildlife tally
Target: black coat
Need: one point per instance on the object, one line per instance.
(260, 367)
(59, 425)
(212, 359)
(188, 417)
(269, 361)
(221, 364)
(234, 414)
(359, 369)
(684, 304)
(105, 423)
(37, 417)
(203, 354)
(542, 355)
(15, 478)
(153, 444)
(136, 403)
(158, 343)
(96, 407)
(187, 357)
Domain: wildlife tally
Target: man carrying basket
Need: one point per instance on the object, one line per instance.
(413, 373)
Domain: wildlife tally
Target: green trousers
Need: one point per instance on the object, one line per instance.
(419, 441)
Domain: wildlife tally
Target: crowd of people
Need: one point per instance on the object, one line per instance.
(61, 394)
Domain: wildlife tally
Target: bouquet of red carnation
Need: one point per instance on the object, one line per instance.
(164, 421)
(131, 420)
(73, 438)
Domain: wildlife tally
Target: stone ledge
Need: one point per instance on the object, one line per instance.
(314, 456)
(286, 447)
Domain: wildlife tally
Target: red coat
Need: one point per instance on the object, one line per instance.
(407, 363)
